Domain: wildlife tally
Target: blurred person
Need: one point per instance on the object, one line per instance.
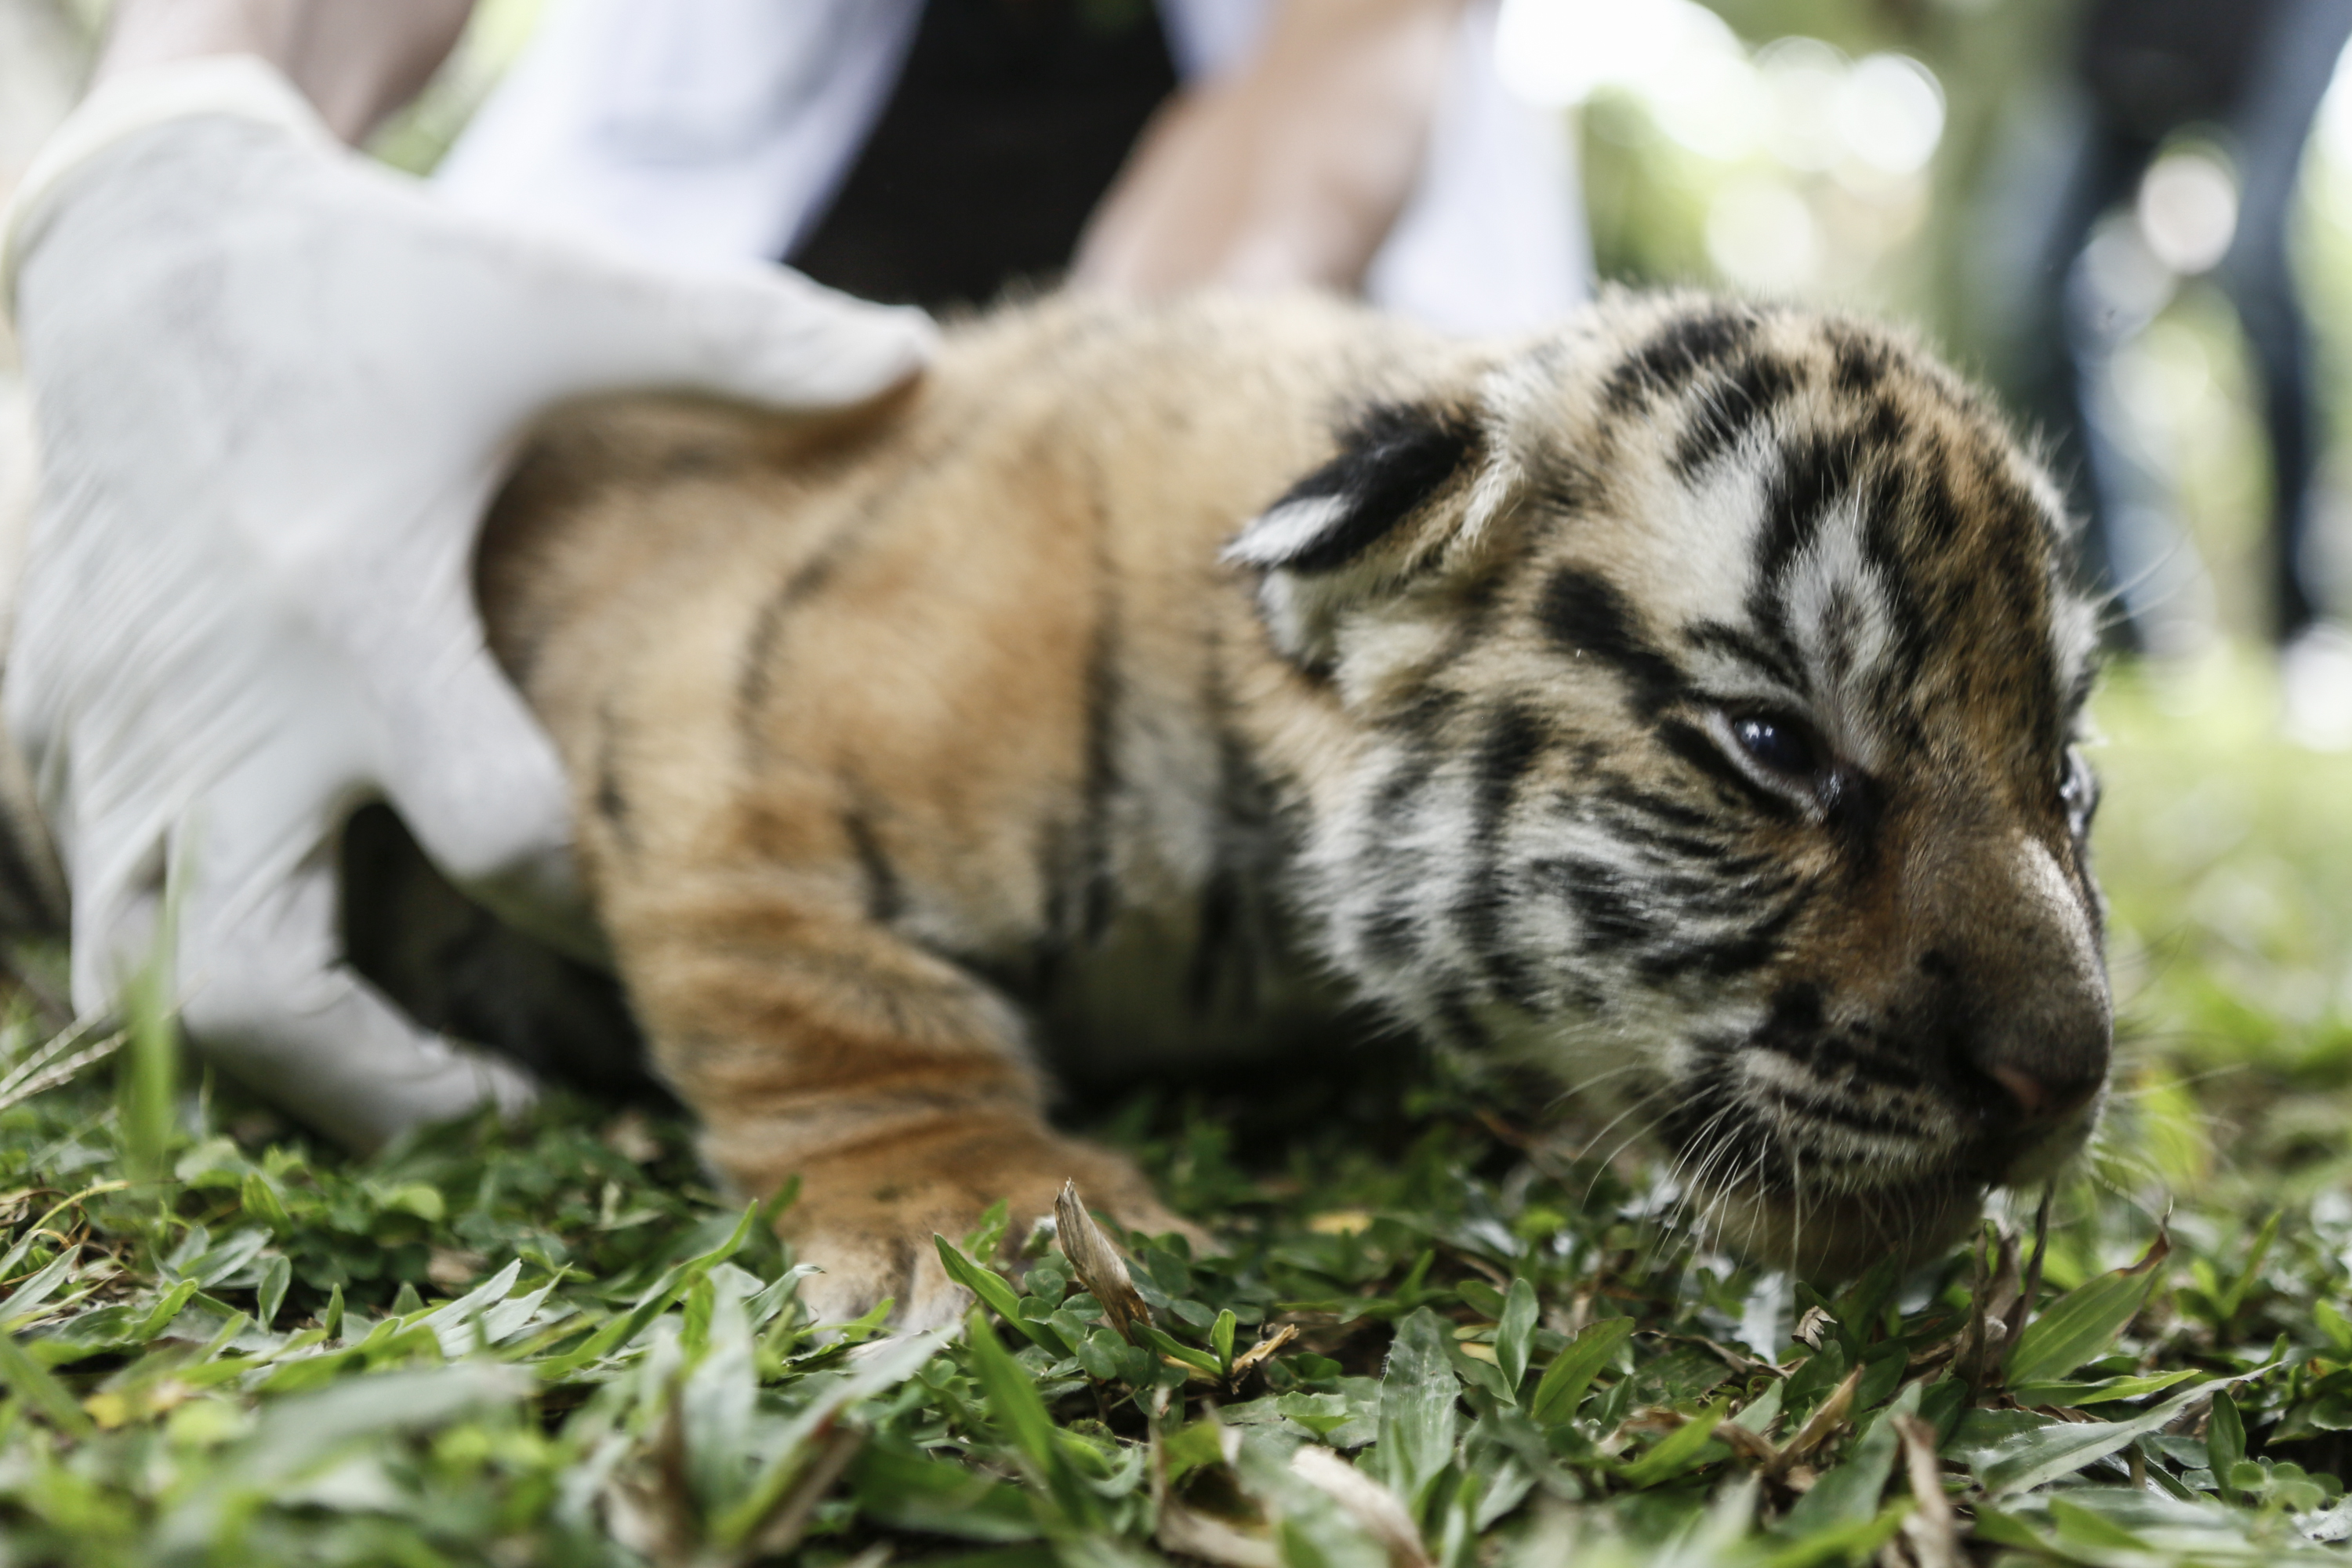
(932, 151)
(2250, 74)
(274, 386)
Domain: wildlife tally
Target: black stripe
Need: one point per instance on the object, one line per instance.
(1392, 460)
(1678, 354)
(1822, 1107)
(1390, 934)
(1584, 614)
(1099, 897)
(1814, 473)
(885, 895)
(1512, 746)
(753, 681)
(1609, 917)
(1727, 959)
(1730, 409)
(1459, 1027)
(1214, 945)
(1832, 1056)
(1860, 362)
(612, 801)
(1635, 801)
(1856, 808)
(1720, 637)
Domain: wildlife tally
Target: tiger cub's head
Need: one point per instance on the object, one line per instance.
(1715, 672)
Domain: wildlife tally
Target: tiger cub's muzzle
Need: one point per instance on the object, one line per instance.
(1866, 1119)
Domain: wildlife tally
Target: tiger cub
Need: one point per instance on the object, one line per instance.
(1681, 699)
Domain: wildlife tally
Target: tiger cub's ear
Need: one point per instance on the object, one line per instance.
(1408, 500)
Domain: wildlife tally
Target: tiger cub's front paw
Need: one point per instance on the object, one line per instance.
(867, 1213)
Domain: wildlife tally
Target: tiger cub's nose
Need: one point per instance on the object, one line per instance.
(2050, 1063)
(2045, 1101)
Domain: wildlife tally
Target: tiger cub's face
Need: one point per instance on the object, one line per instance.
(1718, 675)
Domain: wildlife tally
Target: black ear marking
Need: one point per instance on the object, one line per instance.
(1392, 458)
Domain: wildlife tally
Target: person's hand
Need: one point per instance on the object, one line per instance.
(275, 385)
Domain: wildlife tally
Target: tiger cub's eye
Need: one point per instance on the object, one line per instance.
(1777, 742)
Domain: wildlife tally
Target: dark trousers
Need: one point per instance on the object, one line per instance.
(2072, 341)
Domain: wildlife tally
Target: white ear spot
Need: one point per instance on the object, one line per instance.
(1283, 533)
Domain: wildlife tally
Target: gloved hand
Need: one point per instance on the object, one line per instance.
(274, 386)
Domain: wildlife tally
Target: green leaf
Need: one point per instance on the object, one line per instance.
(1679, 1450)
(2107, 1392)
(2334, 1324)
(34, 1386)
(2079, 1526)
(1482, 1299)
(1188, 1449)
(1418, 1420)
(801, 1444)
(1855, 1542)
(167, 1307)
(905, 1491)
(33, 1293)
(2035, 1458)
(676, 1281)
(2225, 1444)
(2084, 1322)
(148, 1084)
(998, 1296)
(1178, 1352)
(258, 1196)
(1848, 1494)
(1515, 1336)
(271, 1294)
(420, 1199)
(1021, 1414)
(2234, 1296)
(982, 1240)
(1221, 1339)
(1561, 1389)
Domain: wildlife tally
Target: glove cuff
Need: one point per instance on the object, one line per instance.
(243, 87)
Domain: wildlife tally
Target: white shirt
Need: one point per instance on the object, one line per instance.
(719, 130)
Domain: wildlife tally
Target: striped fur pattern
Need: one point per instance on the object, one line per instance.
(1682, 701)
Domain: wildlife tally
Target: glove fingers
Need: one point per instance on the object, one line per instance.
(265, 993)
(478, 783)
(753, 331)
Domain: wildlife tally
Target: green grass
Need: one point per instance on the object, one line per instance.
(549, 1343)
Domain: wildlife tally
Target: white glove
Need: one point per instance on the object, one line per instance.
(274, 388)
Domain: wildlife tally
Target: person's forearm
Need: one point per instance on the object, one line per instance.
(356, 60)
(1289, 172)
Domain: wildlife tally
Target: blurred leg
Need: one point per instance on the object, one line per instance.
(2067, 344)
(2270, 128)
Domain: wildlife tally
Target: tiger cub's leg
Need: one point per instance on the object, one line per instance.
(814, 1043)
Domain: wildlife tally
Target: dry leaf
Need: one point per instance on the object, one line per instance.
(1816, 1323)
(1824, 1420)
(1371, 1504)
(1100, 1270)
(1929, 1529)
(1258, 1354)
(453, 1270)
(1188, 1532)
(1753, 1447)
